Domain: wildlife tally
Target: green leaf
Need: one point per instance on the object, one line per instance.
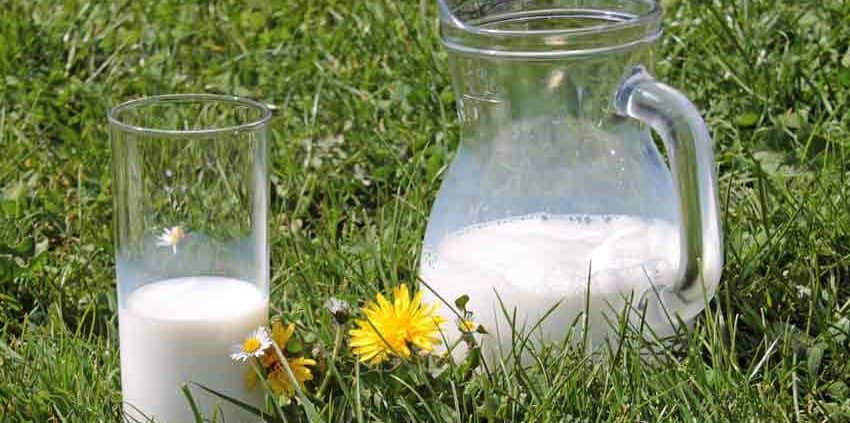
(9, 208)
(490, 408)
(7, 300)
(294, 346)
(815, 356)
(461, 301)
(24, 248)
(192, 403)
(773, 163)
(747, 120)
(794, 119)
(245, 406)
(844, 77)
(838, 389)
(472, 361)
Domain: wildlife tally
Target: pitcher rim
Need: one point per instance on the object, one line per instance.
(555, 42)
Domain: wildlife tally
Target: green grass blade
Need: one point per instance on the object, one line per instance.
(196, 412)
(241, 404)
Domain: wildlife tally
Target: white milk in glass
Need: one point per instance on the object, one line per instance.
(538, 261)
(181, 330)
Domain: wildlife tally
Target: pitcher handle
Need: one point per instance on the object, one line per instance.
(691, 155)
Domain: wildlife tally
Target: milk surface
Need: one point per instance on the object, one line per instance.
(533, 263)
(180, 330)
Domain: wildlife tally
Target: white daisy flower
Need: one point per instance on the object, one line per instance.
(253, 346)
(171, 237)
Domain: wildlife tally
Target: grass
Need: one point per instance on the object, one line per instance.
(365, 124)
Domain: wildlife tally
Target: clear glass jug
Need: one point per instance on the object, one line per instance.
(558, 200)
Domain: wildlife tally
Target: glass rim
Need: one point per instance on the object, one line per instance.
(114, 113)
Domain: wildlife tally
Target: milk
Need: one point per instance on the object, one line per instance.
(180, 330)
(537, 262)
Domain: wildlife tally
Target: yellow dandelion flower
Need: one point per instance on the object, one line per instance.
(269, 360)
(390, 328)
(250, 378)
(466, 325)
(279, 381)
(280, 336)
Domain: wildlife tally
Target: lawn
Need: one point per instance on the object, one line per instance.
(364, 127)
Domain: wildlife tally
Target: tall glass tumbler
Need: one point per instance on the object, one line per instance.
(192, 255)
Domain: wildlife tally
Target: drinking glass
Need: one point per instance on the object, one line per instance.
(190, 186)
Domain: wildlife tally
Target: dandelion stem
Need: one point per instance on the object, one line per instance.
(450, 349)
(312, 415)
(261, 376)
(337, 342)
(358, 407)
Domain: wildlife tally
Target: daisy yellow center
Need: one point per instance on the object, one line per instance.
(251, 345)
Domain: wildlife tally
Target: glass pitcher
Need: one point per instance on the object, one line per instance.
(558, 201)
